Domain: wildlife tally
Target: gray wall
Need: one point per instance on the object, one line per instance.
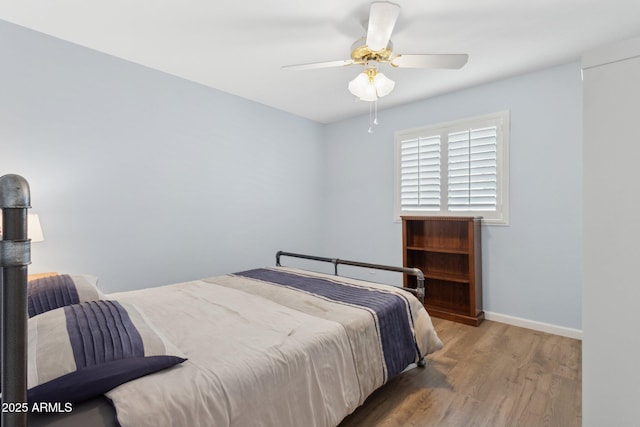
(533, 267)
(142, 178)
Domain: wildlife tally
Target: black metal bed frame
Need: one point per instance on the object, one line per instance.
(418, 290)
(15, 256)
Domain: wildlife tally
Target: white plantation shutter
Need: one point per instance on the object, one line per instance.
(472, 170)
(457, 168)
(420, 174)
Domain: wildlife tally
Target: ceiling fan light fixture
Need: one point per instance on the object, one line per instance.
(362, 88)
(384, 85)
(371, 85)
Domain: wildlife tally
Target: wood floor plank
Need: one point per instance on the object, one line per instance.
(488, 376)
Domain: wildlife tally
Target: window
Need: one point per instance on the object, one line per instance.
(457, 168)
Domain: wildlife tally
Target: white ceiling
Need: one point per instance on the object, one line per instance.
(239, 46)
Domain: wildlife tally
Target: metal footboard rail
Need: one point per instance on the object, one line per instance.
(15, 256)
(418, 291)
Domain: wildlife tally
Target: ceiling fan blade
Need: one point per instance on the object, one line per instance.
(453, 61)
(382, 18)
(314, 65)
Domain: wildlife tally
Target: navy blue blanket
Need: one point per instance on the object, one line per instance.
(392, 312)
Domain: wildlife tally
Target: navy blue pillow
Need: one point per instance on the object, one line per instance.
(83, 350)
(90, 382)
(48, 293)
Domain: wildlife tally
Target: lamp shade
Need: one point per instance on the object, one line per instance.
(34, 229)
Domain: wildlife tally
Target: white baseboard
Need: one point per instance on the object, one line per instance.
(536, 326)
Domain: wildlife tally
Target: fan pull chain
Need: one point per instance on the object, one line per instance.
(373, 115)
(375, 118)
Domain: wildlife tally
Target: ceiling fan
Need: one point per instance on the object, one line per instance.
(375, 49)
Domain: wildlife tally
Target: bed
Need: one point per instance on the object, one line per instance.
(271, 346)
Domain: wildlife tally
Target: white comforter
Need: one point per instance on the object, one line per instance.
(257, 356)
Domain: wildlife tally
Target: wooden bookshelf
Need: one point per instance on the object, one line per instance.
(448, 251)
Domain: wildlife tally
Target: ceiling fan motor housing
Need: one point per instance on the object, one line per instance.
(361, 54)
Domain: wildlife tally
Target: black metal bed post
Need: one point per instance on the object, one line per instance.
(15, 255)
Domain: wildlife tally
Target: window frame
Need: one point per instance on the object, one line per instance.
(501, 121)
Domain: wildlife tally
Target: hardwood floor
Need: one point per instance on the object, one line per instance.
(492, 375)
